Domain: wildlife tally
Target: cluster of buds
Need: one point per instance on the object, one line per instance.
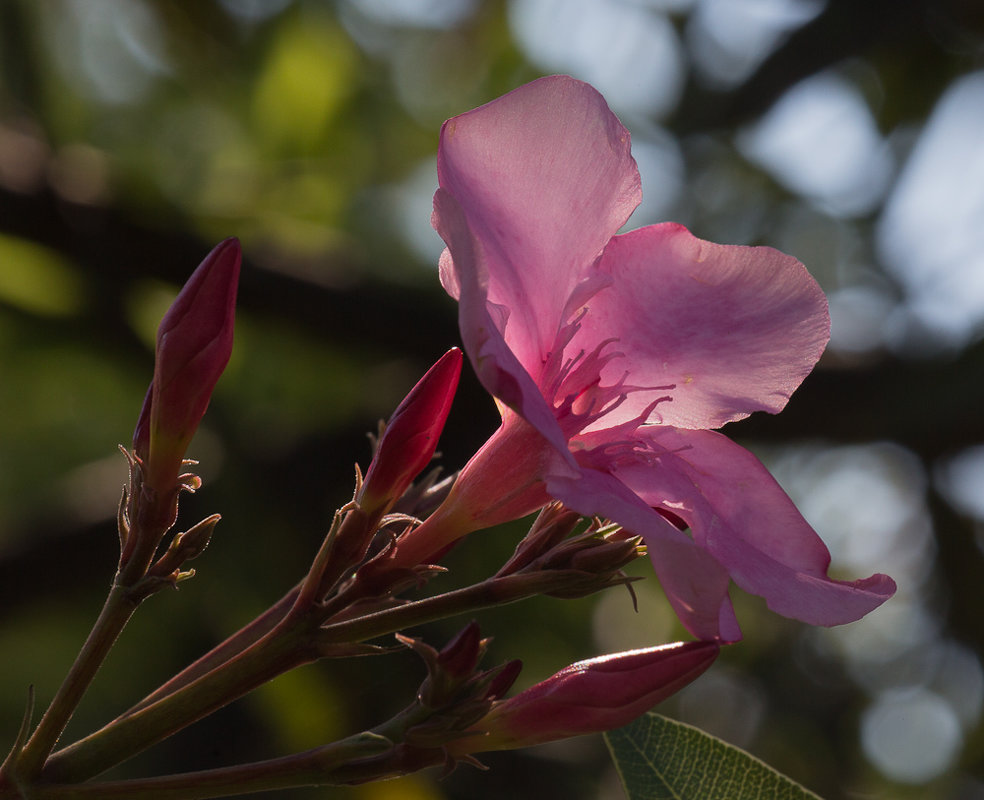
(455, 693)
(463, 704)
(593, 559)
(464, 712)
(350, 596)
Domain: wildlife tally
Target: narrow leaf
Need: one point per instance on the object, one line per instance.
(660, 759)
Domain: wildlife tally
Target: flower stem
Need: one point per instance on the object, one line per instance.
(493, 591)
(224, 652)
(344, 761)
(116, 612)
(371, 755)
(282, 649)
(291, 644)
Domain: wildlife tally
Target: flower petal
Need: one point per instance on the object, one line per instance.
(695, 583)
(482, 327)
(733, 329)
(545, 178)
(740, 515)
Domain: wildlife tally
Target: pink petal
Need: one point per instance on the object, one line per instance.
(695, 583)
(743, 518)
(500, 483)
(733, 329)
(545, 178)
(482, 326)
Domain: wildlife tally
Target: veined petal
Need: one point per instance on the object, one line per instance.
(739, 513)
(733, 329)
(482, 326)
(545, 178)
(695, 583)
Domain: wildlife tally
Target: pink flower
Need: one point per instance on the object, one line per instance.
(600, 694)
(194, 342)
(611, 357)
(411, 435)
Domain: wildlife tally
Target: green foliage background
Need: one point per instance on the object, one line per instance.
(134, 136)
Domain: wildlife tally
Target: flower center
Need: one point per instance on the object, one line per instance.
(573, 386)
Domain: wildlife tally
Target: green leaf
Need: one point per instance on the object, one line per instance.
(659, 759)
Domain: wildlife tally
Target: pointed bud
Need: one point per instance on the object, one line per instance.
(459, 657)
(456, 694)
(185, 547)
(449, 669)
(503, 680)
(605, 558)
(553, 524)
(591, 696)
(192, 542)
(410, 439)
(194, 342)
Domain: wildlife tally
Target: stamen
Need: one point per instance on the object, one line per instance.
(572, 383)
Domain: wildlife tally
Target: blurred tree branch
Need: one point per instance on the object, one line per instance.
(919, 39)
(112, 251)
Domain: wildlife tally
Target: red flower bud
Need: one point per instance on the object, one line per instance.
(411, 435)
(591, 696)
(194, 342)
(461, 655)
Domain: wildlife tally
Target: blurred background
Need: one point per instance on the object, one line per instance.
(136, 134)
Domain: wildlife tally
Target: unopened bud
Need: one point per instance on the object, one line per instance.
(590, 696)
(185, 547)
(410, 438)
(456, 693)
(459, 657)
(606, 557)
(194, 342)
(192, 542)
(451, 668)
(553, 524)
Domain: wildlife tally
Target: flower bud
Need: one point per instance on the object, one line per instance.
(456, 693)
(591, 696)
(451, 667)
(553, 524)
(194, 342)
(410, 438)
(185, 547)
(459, 657)
(606, 558)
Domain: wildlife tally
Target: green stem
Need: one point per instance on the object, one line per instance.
(241, 640)
(340, 762)
(302, 595)
(116, 612)
(281, 650)
(289, 645)
(488, 593)
(151, 515)
(367, 756)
